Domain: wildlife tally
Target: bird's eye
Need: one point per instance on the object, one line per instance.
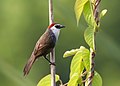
(57, 26)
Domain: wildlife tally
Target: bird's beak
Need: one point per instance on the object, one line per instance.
(62, 26)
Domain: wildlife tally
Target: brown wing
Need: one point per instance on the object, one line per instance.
(45, 44)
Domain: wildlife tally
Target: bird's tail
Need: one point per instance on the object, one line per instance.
(29, 64)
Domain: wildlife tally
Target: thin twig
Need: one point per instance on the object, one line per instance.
(51, 17)
(91, 74)
(65, 84)
(92, 53)
(52, 54)
(83, 74)
(96, 11)
(53, 71)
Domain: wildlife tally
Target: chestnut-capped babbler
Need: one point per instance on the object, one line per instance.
(44, 45)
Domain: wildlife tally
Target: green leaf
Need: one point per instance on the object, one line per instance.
(79, 5)
(89, 37)
(70, 53)
(46, 81)
(97, 80)
(102, 14)
(73, 80)
(86, 59)
(77, 66)
(88, 14)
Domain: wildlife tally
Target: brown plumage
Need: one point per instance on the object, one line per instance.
(43, 46)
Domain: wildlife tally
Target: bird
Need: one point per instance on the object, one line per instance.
(44, 45)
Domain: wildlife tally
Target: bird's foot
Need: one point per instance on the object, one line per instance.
(52, 63)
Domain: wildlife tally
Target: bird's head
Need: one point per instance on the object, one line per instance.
(55, 27)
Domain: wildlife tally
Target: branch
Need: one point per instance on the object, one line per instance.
(53, 70)
(51, 18)
(52, 54)
(91, 75)
(92, 53)
(96, 11)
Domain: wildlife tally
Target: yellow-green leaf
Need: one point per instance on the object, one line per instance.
(88, 14)
(102, 14)
(77, 66)
(79, 5)
(77, 63)
(97, 80)
(70, 53)
(89, 37)
(86, 59)
(46, 81)
(73, 80)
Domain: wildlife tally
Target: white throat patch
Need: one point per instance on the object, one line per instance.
(56, 32)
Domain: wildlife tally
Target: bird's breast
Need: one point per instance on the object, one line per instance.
(53, 37)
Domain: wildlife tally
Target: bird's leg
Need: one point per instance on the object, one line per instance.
(51, 63)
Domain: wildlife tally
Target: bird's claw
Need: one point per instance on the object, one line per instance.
(52, 63)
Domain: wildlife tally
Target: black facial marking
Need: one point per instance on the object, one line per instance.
(57, 26)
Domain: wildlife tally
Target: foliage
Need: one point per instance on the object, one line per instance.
(79, 6)
(97, 80)
(47, 80)
(82, 58)
(77, 65)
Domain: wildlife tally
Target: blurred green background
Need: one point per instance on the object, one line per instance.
(22, 22)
